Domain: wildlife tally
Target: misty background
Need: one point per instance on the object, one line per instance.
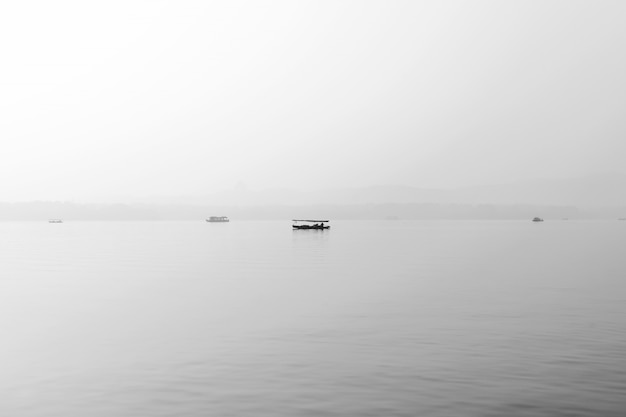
(181, 110)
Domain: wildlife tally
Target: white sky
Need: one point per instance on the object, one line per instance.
(131, 98)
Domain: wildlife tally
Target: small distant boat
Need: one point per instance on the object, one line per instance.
(537, 219)
(55, 221)
(317, 225)
(218, 219)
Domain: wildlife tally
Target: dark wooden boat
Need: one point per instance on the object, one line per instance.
(315, 225)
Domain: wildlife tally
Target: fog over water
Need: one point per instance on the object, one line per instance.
(111, 102)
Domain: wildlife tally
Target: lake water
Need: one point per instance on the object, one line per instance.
(395, 318)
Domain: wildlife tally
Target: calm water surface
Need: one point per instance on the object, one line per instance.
(391, 318)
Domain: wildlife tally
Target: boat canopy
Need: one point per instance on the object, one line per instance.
(312, 221)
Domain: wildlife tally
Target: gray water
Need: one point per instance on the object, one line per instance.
(424, 318)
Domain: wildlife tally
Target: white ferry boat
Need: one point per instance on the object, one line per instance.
(218, 219)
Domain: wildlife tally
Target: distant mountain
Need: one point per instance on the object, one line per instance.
(68, 212)
(44, 210)
(589, 191)
(600, 196)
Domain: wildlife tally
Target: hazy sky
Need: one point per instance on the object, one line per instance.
(106, 99)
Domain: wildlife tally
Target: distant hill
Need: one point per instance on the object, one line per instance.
(601, 196)
(590, 191)
(42, 211)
